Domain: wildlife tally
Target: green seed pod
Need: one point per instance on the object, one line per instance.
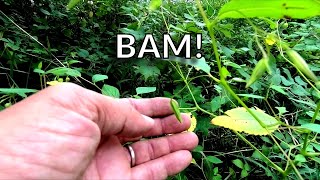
(318, 84)
(67, 79)
(258, 71)
(301, 64)
(7, 105)
(284, 25)
(60, 80)
(175, 107)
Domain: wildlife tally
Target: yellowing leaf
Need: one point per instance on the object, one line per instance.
(193, 123)
(270, 39)
(239, 119)
(155, 4)
(292, 9)
(53, 83)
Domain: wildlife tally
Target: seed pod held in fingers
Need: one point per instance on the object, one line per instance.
(301, 64)
(258, 71)
(175, 107)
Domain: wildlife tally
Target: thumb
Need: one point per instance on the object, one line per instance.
(113, 116)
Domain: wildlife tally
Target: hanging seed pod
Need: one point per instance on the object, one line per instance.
(318, 84)
(258, 71)
(301, 64)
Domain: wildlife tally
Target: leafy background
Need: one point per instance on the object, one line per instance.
(43, 42)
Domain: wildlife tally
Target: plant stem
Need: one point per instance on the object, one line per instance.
(305, 143)
(265, 157)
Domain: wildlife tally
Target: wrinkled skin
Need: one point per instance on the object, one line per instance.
(68, 132)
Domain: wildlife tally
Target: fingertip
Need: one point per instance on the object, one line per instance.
(149, 121)
(185, 157)
(186, 119)
(194, 137)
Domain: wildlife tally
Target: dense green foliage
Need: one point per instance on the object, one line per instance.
(45, 42)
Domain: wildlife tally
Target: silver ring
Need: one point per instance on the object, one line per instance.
(132, 155)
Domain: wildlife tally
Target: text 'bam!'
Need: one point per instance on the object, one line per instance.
(127, 47)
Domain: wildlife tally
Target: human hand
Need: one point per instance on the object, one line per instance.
(68, 132)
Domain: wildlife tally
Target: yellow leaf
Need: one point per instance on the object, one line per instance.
(53, 83)
(193, 123)
(239, 119)
(271, 39)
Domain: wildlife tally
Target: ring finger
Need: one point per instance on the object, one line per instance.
(155, 148)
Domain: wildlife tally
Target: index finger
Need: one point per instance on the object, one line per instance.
(153, 107)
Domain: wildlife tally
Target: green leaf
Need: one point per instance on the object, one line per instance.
(175, 107)
(72, 3)
(198, 149)
(312, 127)
(39, 71)
(40, 65)
(224, 72)
(311, 114)
(83, 53)
(197, 63)
(279, 89)
(45, 12)
(282, 110)
(64, 71)
(300, 158)
(238, 163)
(99, 77)
(217, 102)
(155, 4)
(244, 173)
(251, 96)
(138, 34)
(145, 90)
(110, 91)
(239, 119)
(148, 71)
(20, 91)
(257, 155)
(214, 160)
(278, 9)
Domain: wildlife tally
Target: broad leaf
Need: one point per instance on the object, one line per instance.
(83, 53)
(20, 91)
(238, 163)
(145, 90)
(99, 77)
(293, 9)
(197, 63)
(110, 91)
(312, 127)
(155, 4)
(214, 160)
(148, 71)
(138, 34)
(239, 119)
(64, 71)
(279, 89)
(72, 3)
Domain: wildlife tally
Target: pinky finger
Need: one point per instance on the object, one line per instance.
(163, 167)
